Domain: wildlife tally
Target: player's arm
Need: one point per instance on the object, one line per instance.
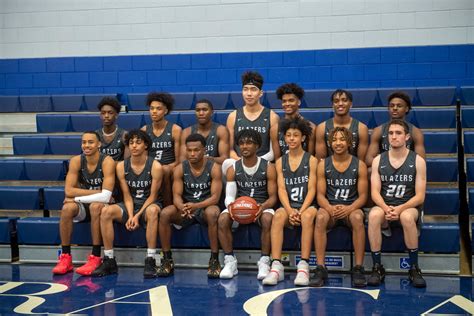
(362, 188)
(182, 150)
(363, 141)
(276, 147)
(271, 188)
(222, 144)
(216, 188)
(282, 194)
(321, 189)
(312, 139)
(418, 140)
(156, 179)
(72, 180)
(312, 184)
(374, 146)
(230, 128)
(127, 196)
(126, 150)
(274, 119)
(178, 187)
(176, 134)
(108, 169)
(231, 187)
(420, 187)
(321, 150)
(143, 128)
(376, 186)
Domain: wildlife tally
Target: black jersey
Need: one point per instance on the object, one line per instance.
(197, 188)
(139, 184)
(116, 147)
(296, 182)
(341, 187)
(261, 125)
(212, 141)
(162, 147)
(384, 142)
(254, 185)
(398, 185)
(91, 181)
(353, 128)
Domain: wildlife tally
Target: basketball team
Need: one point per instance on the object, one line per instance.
(291, 172)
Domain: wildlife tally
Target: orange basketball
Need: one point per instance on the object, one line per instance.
(244, 210)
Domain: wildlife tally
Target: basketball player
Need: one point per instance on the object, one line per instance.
(89, 184)
(398, 190)
(342, 192)
(290, 95)
(342, 103)
(216, 135)
(251, 176)
(140, 178)
(197, 186)
(399, 104)
(165, 138)
(296, 176)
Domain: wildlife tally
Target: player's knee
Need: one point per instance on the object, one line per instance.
(69, 210)
(280, 218)
(308, 217)
(356, 218)
(266, 221)
(152, 212)
(95, 209)
(211, 214)
(107, 213)
(224, 221)
(406, 219)
(322, 219)
(166, 214)
(376, 215)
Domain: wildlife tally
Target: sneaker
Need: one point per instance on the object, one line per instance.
(64, 264)
(276, 274)
(302, 274)
(214, 269)
(358, 277)
(230, 268)
(416, 278)
(319, 277)
(166, 268)
(377, 276)
(107, 267)
(150, 268)
(92, 263)
(263, 267)
(387, 231)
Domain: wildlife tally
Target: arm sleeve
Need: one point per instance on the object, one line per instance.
(102, 197)
(269, 155)
(231, 192)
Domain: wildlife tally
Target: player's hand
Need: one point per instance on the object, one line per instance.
(135, 223)
(260, 210)
(68, 200)
(229, 208)
(339, 211)
(295, 218)
(190, 207)
(389, 215)
(128, 224)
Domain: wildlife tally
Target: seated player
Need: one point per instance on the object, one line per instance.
(140, 179)
(197, 186)
(255, 177)
(89, 184)
(342, 192)
(296, 176)
(398, 190)
(216, 135)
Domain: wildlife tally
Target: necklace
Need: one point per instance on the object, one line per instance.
(107, 135)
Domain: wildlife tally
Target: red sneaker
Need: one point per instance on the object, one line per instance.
(64, 264)
(92, 263)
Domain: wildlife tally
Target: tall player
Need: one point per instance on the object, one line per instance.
(89, 184)
(255, 177)
(398, 190)
(216, 135)
(140, 178)
(342, 192)
(296, 176)
(197, 186)
(342, 103)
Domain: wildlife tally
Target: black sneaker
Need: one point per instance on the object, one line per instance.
(107, 267)
(416, 279)
(319, 277)
(377, 276)
(214, 269)
(166, 268)
(150, 268)
(358, 277)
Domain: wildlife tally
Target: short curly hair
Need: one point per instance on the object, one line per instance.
(113, 102)
(163, 97)
(290, 88)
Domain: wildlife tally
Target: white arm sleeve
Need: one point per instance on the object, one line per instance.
(102, 197)
(269, 155)
(230, 193)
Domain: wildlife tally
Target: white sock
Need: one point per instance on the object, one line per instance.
(151, 252)
(109, 253)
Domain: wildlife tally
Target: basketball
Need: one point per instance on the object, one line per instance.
(244, 210)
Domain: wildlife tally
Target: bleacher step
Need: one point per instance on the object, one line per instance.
(17, 122)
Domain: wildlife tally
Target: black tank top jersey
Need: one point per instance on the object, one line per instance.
(212, 141)
(296, 182)
(197, 188)
(116, 147)
(341, 187)
(254, 186)
(91, 181)
(398, 185)
(385, 144)
(261, 125)
(138, 184)
(162, 148)
(353, 128)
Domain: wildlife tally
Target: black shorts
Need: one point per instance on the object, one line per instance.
(142, 219)
(198, 217)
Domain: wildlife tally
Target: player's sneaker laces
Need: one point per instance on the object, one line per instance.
(107, 267)
(377, 276)
(64, 264)
(92, 263)
(276, 274)
(358, 277)
(230, 267)
(263, 267)
(302, 273)
(150, 268)
(416, 278)
(166, 268)
(214, 268)
(319, 277)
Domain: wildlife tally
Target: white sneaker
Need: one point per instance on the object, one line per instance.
(276, 274)
(230, 267)
(302, 274)
(263, 267)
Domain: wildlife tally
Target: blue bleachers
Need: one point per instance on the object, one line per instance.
(33, 169)
(9, 104)
(185, 101)
(384, 93)
(91, 100)
(137, 102)
(7, 227)
(65, 144)
(440, 142)
(36, 103)
(467, 95)
(442, 201)
(220, 100)
(67, 103)
(85, 122)
(431, 96)
(467, 116)
(365, 97)
(53, 198)
(423, 118)
(471, 200)
(470, 169)
(317, 99)
(53, 123)
(130, 121)
(439, 238)
(442, 169)
(19, 198)
(47, 145)
(469, 142)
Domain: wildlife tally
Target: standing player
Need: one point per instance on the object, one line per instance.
(296, 176)
(216, 135)
(398, 190)
(89, 185)
(399, 105)
(197, 186)
(342, 103)
(140, 179)
(255, 177)
(342, 192)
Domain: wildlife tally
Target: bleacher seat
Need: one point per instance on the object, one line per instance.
(220, 100)
(365, 97)
(53, 123)
(137, 102)
(221, 117)
(384, 93)
(439, 201)
(12, 169)
(442, 169)
(423, 117)
(31, 145)
(431, 96)
(53, 198)
(236, 99)
(67, 103)
(467, 116)
(45, 170)
(65, 144)
(471, 200)
(271, 100)
(470, 169)
(316, 116)
(19, 198)
(440, 142)
(9, 103)
(365, 116)
(7, 227)
(467, 95)
(91, 100)
(184, 101)
(35, 103)
(469, 142)
(85, 122)
(187, 119)
(317, 99)
(129, 121)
